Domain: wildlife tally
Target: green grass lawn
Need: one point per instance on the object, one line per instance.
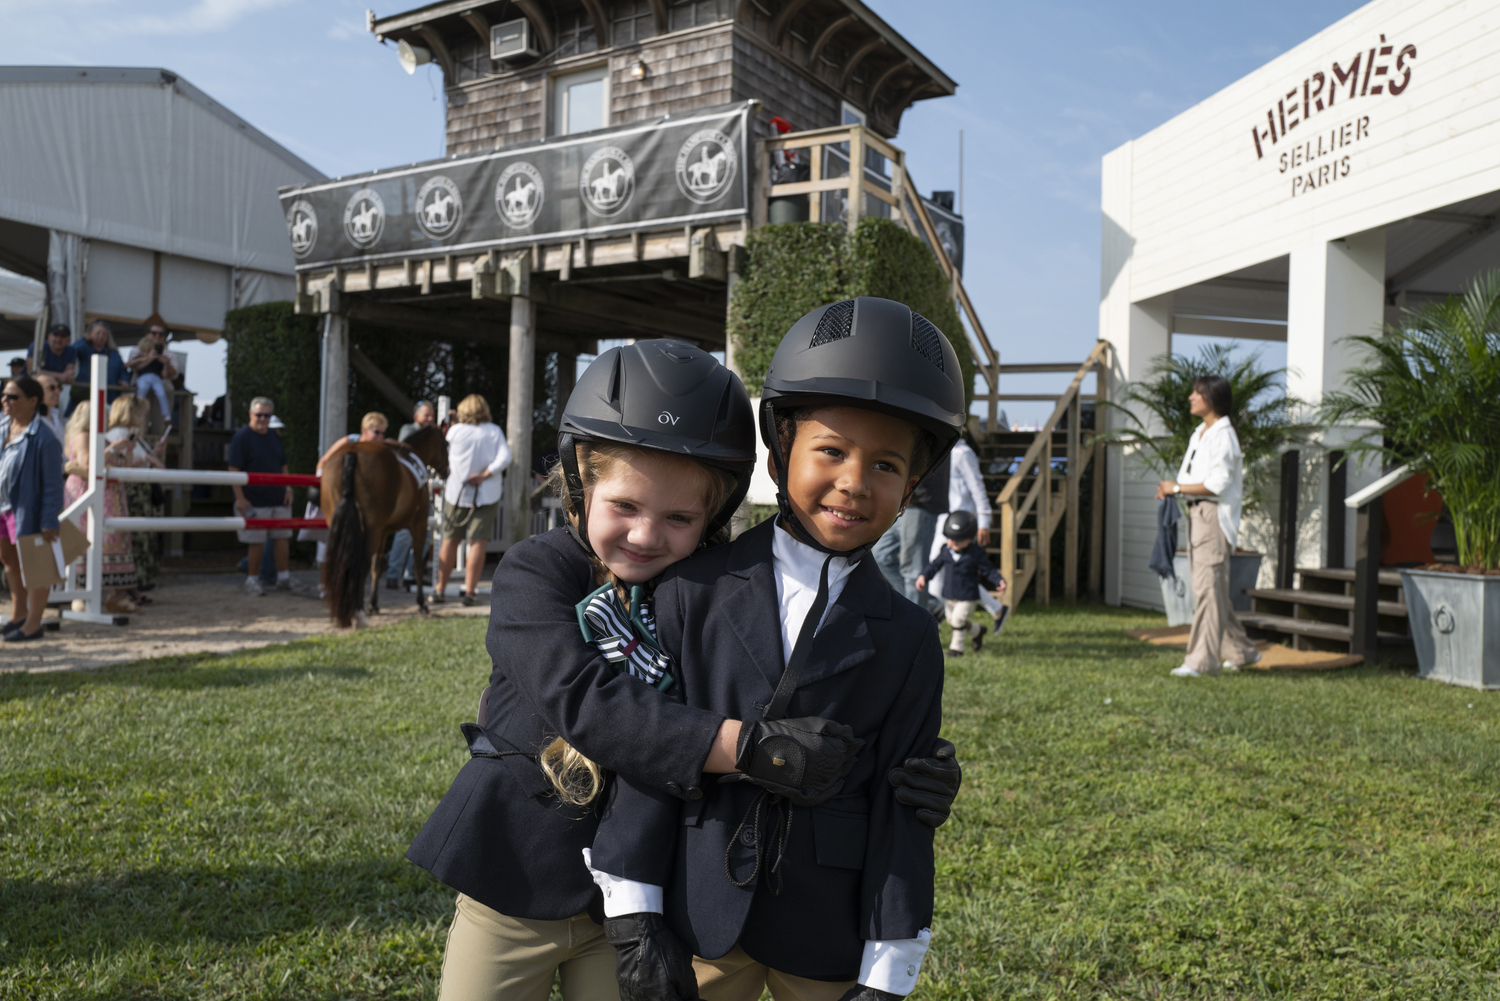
(232, 827)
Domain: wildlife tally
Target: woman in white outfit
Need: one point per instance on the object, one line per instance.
(477, 454)
(1211, 480)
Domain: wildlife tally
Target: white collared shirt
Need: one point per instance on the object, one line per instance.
(473, 448)
(966, 485)
(890, 965)
(1214, 459)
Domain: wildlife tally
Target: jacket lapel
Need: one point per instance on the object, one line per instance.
(750, 603)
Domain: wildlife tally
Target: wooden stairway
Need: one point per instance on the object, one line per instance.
(1318, 614)
(1000, 456)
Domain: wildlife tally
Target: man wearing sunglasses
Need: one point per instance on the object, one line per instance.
(255, 448)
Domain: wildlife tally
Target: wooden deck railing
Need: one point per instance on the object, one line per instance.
(1015, 504)
(906, 209)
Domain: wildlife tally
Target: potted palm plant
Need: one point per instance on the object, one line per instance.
(1429, 393)
(1158, 424)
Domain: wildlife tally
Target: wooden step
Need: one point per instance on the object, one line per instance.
(1388, 578)
(1310, 627)
(1321, 599)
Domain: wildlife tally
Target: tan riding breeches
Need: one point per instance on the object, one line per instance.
(1216, 635)
(737, 977)
(495, 957)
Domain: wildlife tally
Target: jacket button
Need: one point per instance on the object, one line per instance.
(694, 792)
(911, 969)
(674, 788)
(747, 837)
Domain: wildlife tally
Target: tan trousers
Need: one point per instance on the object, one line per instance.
(958, 614)
(737, 977)
(1217, 634)
(494, 957)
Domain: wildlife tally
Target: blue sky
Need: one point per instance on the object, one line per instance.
(1044, 91)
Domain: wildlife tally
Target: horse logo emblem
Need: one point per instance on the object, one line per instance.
(439, 207)
(302, 226)
(607, 181)
(706, 166)
(364, 218)
(519, 194)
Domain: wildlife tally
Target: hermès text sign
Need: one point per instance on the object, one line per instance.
(663, 172)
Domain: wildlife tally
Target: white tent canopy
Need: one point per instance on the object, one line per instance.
(21, 297)
(135, 193)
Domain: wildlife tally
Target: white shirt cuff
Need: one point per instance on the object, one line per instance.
(626, 896)
(892, 966)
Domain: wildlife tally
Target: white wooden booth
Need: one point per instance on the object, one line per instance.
(1354, 175)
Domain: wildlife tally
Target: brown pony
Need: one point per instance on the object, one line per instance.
(383, 500)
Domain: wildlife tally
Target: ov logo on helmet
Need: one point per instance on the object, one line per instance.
(666, 418)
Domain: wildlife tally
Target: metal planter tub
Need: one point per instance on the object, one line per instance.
(1455, 624)
(1177, 595)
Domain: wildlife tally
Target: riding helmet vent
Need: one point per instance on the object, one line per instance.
(927, 340)
(836, 324)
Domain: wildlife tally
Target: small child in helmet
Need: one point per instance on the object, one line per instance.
(579, 687)
(964, 565)
(819, 902)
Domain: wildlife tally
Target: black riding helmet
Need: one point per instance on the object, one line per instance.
(664, 395)
(961, 525)
(870, 353)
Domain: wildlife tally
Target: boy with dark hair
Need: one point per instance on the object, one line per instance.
(819, 903)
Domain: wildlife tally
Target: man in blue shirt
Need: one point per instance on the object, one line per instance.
(96, 342)
(58, 355)
(257, 449)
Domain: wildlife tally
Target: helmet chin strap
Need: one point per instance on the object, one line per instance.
(567, 454)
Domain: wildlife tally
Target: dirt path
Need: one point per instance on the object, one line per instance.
(203, 613)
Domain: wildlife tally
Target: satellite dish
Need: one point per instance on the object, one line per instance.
(412, 56)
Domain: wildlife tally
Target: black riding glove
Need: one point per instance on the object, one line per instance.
(860, 992)
(930, 784)
(651, 963)
(805, 760)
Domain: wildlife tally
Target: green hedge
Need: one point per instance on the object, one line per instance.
(793, 268)
(275, 353)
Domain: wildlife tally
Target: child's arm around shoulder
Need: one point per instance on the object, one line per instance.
(618, 721)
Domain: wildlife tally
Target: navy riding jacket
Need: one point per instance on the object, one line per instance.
(501, 835)
(962, 571)
(858, 867)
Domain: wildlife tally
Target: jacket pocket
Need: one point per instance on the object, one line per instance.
(839, 837)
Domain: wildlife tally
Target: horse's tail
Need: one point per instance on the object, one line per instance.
(348, 563)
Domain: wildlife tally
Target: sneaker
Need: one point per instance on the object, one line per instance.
(979, 640)
(253, 588)
(1254, 659)
(437, 597)
(391, 585)
(284, 584)
(467, 598)
(1183, 671)
(950, 652)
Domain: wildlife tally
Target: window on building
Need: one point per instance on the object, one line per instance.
(575, 35)
(631, 21)
(580, 101)
(691, 13)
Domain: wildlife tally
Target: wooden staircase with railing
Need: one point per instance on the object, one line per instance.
(1318, 614)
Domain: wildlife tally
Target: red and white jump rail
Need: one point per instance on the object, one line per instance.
(92, 504)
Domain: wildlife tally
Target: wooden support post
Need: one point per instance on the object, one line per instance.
(1070, 525)
(992, 375)
(1043, 535)
(856, 175)
(734, 261)
(518, 406)
(1338, 479)
(1365, 619)
(333, 411)
(566, 272)
(1008, 529)
(1286, 528)
(1096, 518)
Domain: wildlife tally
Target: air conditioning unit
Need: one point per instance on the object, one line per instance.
(510, 40)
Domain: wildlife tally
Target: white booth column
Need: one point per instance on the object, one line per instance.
(1336, 291)
(1140, 334)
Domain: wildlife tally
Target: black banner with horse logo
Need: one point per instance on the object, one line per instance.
(663, 172)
